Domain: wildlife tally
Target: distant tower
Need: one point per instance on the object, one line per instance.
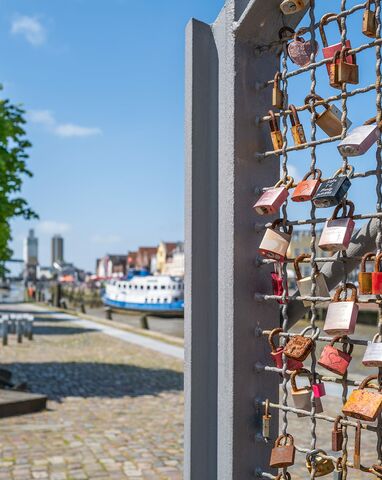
(31, 249)
(57, 249)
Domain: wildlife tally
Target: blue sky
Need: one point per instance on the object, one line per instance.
(103, 86)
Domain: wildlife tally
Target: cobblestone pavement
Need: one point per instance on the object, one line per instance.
(115, 410)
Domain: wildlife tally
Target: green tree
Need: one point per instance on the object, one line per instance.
(13, 168)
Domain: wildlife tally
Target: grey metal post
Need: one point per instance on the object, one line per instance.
(4, 331)
(19, 331)
(222, 68)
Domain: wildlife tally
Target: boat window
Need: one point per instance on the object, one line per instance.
(163, 287)
(148, 287)
(142, 287)
(136, 287)
(176, 299)
(155, 287)
(145, 300)
(165, 300)
(158, 301)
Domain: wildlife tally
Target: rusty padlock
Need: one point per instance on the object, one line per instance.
(342, 315)
(337, 232)
(277, 353)
(360, 139)
(266, 430)
(364, 404)
(304, 285)
(322, 466)
(272, 199)
(289, 7)
(330, 119)
(357, 446)
(347, 72)
(276, 135)
(337, 434)
(335, 360)
(333, 71)
(302, 397)
(299, 50)
(369, 21)
(277, 94)
(297, 128)
(364, 277)
(275, 243)
(373, 353)
(328, 51)
(376, 276)
(299, 346)
(283, 454)
(333, 190)
(306, 189)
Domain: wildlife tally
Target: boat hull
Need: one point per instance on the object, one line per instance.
(175, 309)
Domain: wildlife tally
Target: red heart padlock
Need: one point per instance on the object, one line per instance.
(335, 360)
(277, 353)
(376, 276)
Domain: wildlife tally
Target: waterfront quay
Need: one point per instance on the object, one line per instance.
(115, 408)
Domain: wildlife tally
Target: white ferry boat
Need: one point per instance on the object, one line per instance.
(159, 295)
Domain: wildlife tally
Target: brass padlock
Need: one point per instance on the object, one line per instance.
(303, 397)
(347, 72)
(333, 72)
(330, 119)
(322, 466)
(277, 94)
(283, 455)
(297, 128)
(369, 21)
(364, 277)
(289, 7)
(276, 135)
(363, 404)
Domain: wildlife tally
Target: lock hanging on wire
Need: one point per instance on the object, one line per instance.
(322, 466)
(298, 133)
(332, 191)
(276, 241)
(364, 277)
(341, 316)
(306, 189)
(289, 7)
(330, 119)
(360, 139)
(369, 21)
(277, 94)
(272, 199)
(304, 285)
(276, 135)
(337, 232)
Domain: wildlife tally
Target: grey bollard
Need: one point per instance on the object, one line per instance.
(30, 329)
(4, 332)
(108, 314)
(19, 331)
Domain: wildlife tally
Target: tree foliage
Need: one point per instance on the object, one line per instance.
(13, 168)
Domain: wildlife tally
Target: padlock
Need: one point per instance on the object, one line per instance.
(289, 7)
(297, 128)
(282, 476)
(275, 243)
(276, 135)
(337, 232)
(307, 188)
(277, 353)
(364, 277)
(305, 284)
(282, 455)
(369, 21)
(299, 346)
(277, 94)
(333, 73)
(322, 466)
(272, 199)
(266, 421)
(300, 51)
(331, 192)
(330, 119)
(338, 471)
(357, 446)
(337, 434)
(376, 469)
(302, 397)
(360, 139)
(373, 353)
(364, 404)
(342, 315)
(318, 389)
(278, 284)
(335, 360)
(329, 51)
(376, 276)
(347, 72)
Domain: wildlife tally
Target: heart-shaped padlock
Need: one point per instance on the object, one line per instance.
(300, 51)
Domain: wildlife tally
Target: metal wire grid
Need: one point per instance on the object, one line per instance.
(313, 221)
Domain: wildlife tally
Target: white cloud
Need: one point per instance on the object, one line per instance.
(52, 227)
(30, 28)
(65, 130)
(106, 239)
(292, 172)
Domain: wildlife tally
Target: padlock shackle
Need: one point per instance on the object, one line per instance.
(368, 4)
(273, 121)
(315, 335)
(317, 174)
(314, 453)
(313, 96)
(287, 229)
(341, 170)
(377, 263)
(266, 407)
(336, 57)
(366, 383)
(271, 337)
(280, 476)
(340, 207)
(345, 53)
(288, 182)
(289, 440)
(283, 30)
(297, 262)
(344, 288)
(324, 21)
(365, 258)
(277, 79)
(293, 115)
(344, 344)
(293, 380)
(376, 336)
(336, 422)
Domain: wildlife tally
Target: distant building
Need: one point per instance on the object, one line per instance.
(131, 259)
(57, 250)
(111, 266)
(45, 273)
(164, 254)
(145, 257)
(31, 249)
(175, 264)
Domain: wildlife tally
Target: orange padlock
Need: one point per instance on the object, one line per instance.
(306, 189)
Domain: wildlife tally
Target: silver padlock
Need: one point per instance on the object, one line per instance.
(302, 397)
(289, 7)
(373, 353)
(360, 139)
(338, 471)
(341, 316)
(275, 242)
